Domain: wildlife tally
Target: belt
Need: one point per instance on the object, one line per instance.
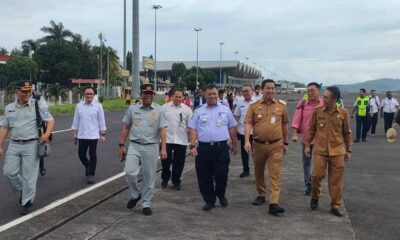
(213, 143)
(267, 142)
(140, 143)
(24, 141)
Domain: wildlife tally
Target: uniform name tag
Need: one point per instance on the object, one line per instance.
(273, 119)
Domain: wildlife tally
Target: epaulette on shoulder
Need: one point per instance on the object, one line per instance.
(282, 102)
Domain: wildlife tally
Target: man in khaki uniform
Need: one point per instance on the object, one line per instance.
(330, 130)
(269, 120)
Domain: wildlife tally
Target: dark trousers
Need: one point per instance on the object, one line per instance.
(212, 165)
(90, 164)
(362, 127)
(243, 153)
(374, 121)
(176, 154)
(388, 119)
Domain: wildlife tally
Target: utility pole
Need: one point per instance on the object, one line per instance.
(197, 57)
(155, 7)
(135, 49)
(222, 82)
(124, 54)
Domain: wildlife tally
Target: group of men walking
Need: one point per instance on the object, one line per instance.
(258, 120)
(366, 109)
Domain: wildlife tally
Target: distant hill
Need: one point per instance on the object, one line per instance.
(380, 85)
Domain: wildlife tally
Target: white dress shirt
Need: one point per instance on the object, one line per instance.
(389, 105)
(375, 103)
(257, 97)
(89, 120)
(178, 118)
(241, 111)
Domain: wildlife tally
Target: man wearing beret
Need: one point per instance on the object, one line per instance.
(21, 162)
(145, 124)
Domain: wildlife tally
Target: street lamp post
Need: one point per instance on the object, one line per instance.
(101, 38)
(220, 64)
(155, 7)
(197, 56)
(124, 42)
(135, 49)
(236, 53)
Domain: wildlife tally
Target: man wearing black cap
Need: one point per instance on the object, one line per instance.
(145, 124)
(21, 162)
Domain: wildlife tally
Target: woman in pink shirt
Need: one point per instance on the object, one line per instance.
(300, 124)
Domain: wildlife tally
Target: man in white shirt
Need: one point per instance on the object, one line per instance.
(221, 98)
(257, 96)
(178, 116)
(374, 103)
(240, 115)
(88, 127)
(389, 107)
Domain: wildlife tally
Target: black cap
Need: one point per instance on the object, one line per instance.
(147, 88)
(24, 85)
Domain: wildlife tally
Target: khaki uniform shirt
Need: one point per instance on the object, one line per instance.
(145, 123)
(330, 131)
(267, 119)
(21, 119)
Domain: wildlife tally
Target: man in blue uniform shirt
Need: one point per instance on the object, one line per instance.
(212, 125)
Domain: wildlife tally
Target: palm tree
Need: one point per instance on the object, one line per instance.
(56, 90)
(30, 45)
(178, 71)
(56, 33)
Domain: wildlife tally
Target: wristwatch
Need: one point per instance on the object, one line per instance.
(349, 151)
(121, 145)
(287, 144)
(191, 146)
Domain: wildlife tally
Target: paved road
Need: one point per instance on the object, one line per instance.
(65, 173)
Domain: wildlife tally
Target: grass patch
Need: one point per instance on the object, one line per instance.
(108, 106)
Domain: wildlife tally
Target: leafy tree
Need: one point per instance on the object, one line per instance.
(56, 33)
(19, 67)
(178, 71)
(29, 45)
(56, 90)
(129, 61)
(205, 77)
(3, 51)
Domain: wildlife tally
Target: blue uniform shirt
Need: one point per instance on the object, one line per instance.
(212, 123)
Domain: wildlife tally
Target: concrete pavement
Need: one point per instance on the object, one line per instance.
(178, 214)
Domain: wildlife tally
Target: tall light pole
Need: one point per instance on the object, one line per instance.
(135, 49)
(236, 53)
(197, 56)
(155, 7)
(220, 64)
(124, 53)
(101, 38)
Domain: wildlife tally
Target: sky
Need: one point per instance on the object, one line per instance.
(337, 41)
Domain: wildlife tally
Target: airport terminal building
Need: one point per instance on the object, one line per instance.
(234, 73)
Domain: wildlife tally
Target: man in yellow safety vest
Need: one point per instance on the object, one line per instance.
(362, 107)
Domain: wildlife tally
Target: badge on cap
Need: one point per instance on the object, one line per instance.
(259, 116)
(148, 88)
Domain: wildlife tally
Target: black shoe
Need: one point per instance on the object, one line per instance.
(223, 201)
(43, 171)
(274, 209)
(20, 197)
(164, 184)
(27, 208)
(244, 174)
(177, 187)
(314, 204)
(364, 140)
(208, 206)
(356, 140)
(259, 201)
(132, 203)
(147, 211)
(308, 189)
(336, 212)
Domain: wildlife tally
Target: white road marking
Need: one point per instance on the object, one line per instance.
(60, 131)
(58, 203)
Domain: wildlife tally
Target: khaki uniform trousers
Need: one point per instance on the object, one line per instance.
(335, 166)
(272, 155)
